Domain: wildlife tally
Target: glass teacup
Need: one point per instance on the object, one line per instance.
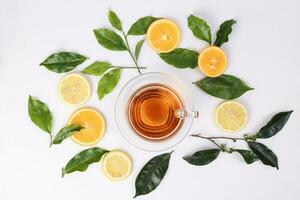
(154, 111)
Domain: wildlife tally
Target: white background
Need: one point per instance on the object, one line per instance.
(263, 50)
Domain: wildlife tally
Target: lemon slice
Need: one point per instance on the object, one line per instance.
(116, 165)
(163, 35)
(231, 116)
(93, 123)
(74, 89)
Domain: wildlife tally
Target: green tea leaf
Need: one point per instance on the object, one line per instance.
(274, 125)
(203, 157)
(223, 32)
(83, 159)
(40, 114)
(199, 28)
(267, 156)
(108, 82)
(114, 20)
(138, 49)
(224, 86)
(140, 27)
(61, 62)
(152, 174)
(97, 68)
(248, 156)
(181, 58)
(110, 40)
(66, 132)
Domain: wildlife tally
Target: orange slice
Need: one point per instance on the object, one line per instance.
(93, 123)
(163, 35)
(212, 61)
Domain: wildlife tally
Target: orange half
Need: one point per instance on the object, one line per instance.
(163, 35)
(93, 123)
(212, 61)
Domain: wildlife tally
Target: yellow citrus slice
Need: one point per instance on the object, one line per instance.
(212, 61)
(231, 116)
(116, 165)
(74, 89)
(93, 123)
(163, 35)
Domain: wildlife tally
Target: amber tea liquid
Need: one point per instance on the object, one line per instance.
(151, 112)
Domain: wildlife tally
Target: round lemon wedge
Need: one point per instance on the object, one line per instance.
(231, 116)
(74, 89)
(116, 165)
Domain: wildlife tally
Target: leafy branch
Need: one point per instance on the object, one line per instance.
(130, 53)
(117, 24)
(258, 151)
(110, 40)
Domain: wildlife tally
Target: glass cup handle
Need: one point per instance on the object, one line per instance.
(181, 113)
(195, 114)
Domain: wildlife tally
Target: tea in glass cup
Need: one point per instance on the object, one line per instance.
(154, 111)
(151, 112)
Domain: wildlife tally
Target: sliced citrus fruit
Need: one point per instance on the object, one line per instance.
(163, 35)
(116, 165)
(74, 89)
(93, 123)
(212, 61)
(231, 116)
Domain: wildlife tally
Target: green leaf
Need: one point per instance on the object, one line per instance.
(203, 157)
(248, 156)
(152, 174)
(40, 114)
(223, 32)
(138, 49)
(61, 62)
(140, 27)
(108, 82)
(83, 159)
(181, 58)
(224, 86)
(114, 20)
(274, 125)
(66, 132)
(109, 39)
(97, 68)
(267, 156)
(199, 28)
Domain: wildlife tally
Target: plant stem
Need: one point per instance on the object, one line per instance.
(215, 138)
(123, 67)
(219, 146)
(50, 140)
(211, 140)
(62, 172)
(130, 53)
